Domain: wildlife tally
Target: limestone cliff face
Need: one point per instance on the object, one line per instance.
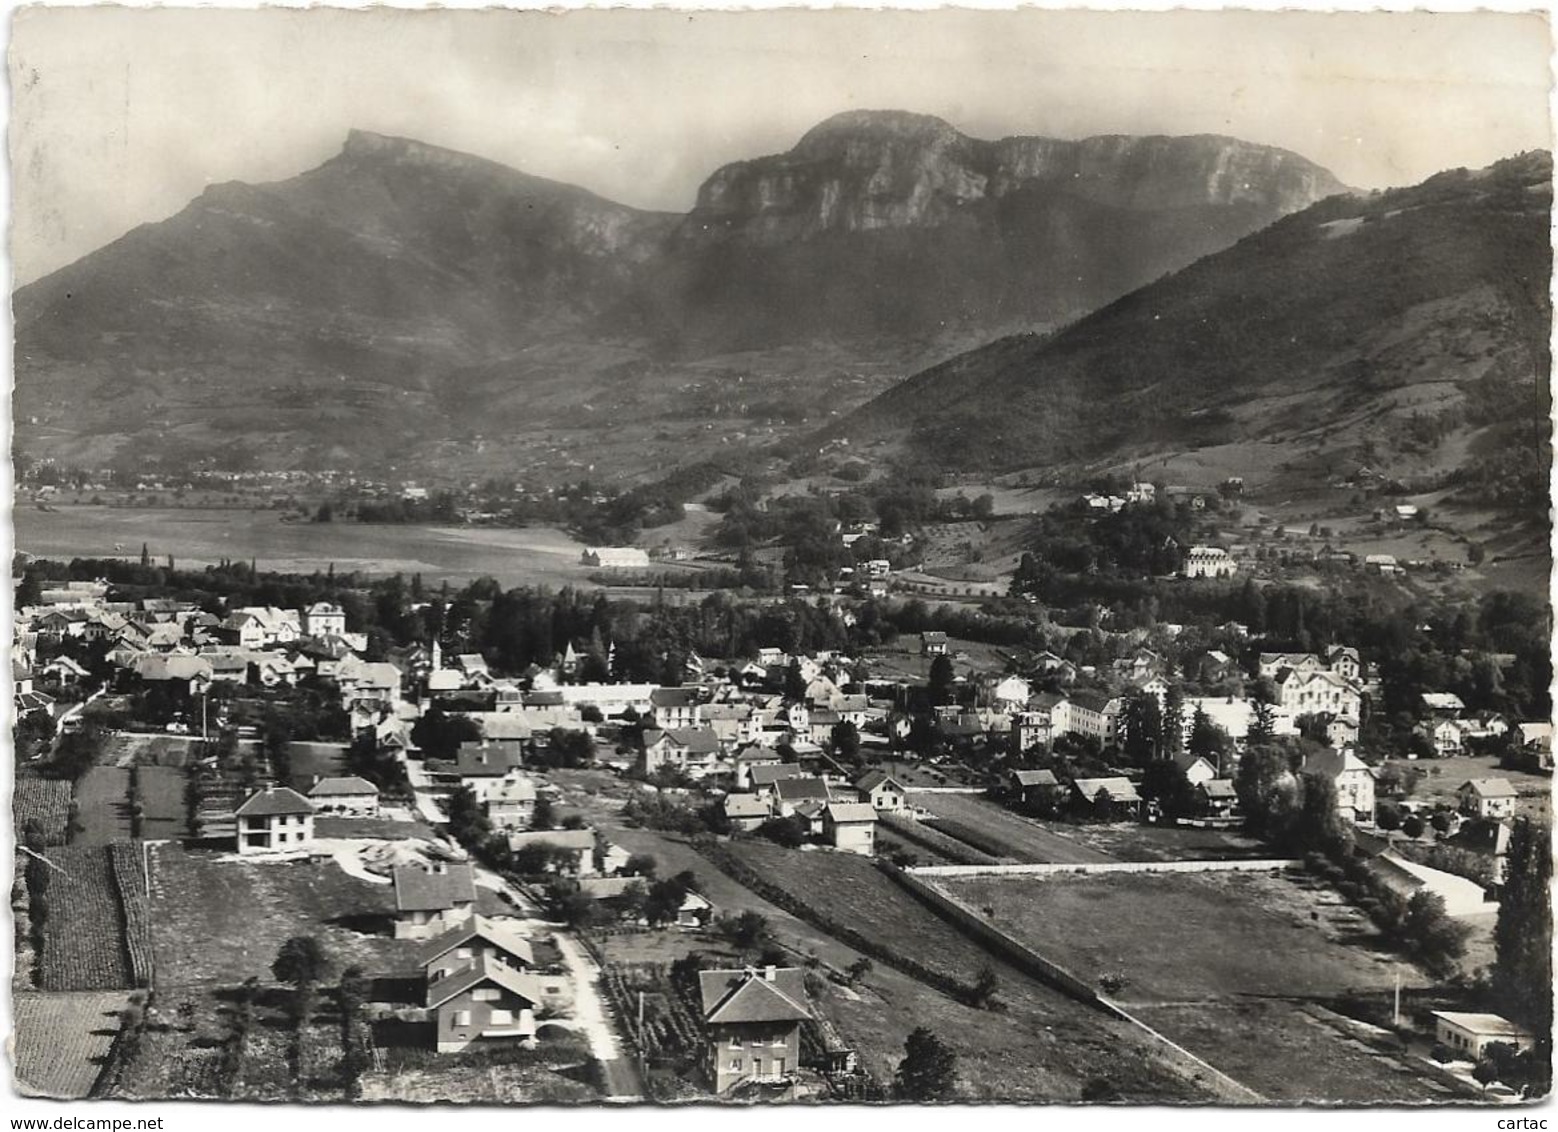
(864, 171)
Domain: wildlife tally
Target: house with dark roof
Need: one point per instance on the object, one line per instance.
(933, 643)
(432, 899)
(484, 1001)
(765, 777)
(881, 791)
(1197, 769)
(481, 766)
(675, 708)
(792, 792)
(1035, 789)
(276, 819)
(348, 795)
(752, 1019)
(694, 751)
(477, 938)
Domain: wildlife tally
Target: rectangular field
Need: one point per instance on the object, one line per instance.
(1022, 838)
(1042, 1045)
(103, 799)
(62, 1040)
(1231, 966)
(163, 808)
(83, 944)
(1134, 842)
(216, 919)
(1296, 1054)
(1233, 933)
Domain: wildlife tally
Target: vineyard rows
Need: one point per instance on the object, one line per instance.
(130, 883)
(45, 801)
(62, 1039)
(83, 945)
(669, 1029)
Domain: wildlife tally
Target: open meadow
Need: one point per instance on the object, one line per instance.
(218, 920)
(1439, 779)
(1132, 841)
(202, 536)
(1253, 959)
(1040, 1044)
(1006, 834)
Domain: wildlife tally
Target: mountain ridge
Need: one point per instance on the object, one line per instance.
(401, 278)
(1373, 329)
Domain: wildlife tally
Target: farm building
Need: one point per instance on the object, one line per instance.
(1470, 1034)
(1034, 787)
(276, 819)
(1109, 798)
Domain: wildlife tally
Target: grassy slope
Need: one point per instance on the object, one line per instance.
(1315, 323)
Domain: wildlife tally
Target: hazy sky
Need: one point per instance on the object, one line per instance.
(121, 116)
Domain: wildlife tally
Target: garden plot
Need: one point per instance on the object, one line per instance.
(84, 942)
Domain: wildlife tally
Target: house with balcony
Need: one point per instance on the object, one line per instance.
(275, 820)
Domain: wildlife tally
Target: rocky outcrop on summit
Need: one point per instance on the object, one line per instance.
(401, 293)
(887, 223)
(866, 171)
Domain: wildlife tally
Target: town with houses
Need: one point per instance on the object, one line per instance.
(333, 849)
(883, 587)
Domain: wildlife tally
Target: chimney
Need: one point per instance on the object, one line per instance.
(769, 973)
